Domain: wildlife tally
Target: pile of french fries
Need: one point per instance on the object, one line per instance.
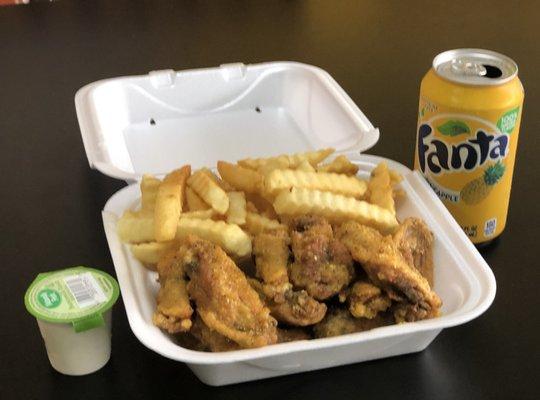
(252, 196)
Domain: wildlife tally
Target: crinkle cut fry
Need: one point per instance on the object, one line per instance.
(233, 239)
(291, 160)
(335, 207)
(281, 179)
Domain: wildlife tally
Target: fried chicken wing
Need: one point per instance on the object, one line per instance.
(188, 341)
(295, 308)
(415, 242)
(173, 311)
(387, 268)
(298, 309)
(366, 300)
(339, 321)
(258, 287)
(271, 250)
(322, 265)
(407, 312)
(292, 335)
(210, 340)
(225, 301)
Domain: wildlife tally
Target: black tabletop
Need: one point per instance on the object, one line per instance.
(377, 50)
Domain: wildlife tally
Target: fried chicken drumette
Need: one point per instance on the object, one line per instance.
(173, 311)
(322, 265)
(292, 307)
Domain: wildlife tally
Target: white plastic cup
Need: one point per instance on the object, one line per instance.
(73, 309)
(77, 353)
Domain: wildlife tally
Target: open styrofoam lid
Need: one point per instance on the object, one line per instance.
(154, 123)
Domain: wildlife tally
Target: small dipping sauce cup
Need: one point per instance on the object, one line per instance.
(73, 309)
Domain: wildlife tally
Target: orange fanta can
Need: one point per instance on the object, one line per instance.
(468, 126)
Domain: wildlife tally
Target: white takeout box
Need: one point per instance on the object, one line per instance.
(157, 122)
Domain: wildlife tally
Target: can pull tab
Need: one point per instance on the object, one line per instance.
(468, 68)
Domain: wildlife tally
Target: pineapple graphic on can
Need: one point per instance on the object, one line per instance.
(468, 125)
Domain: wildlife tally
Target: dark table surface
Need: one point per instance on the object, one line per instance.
(377, 50)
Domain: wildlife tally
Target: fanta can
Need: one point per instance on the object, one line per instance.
(470, 109)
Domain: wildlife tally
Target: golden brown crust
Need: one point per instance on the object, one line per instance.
(340, 322)
(225, 300)
(292, 335)
(366, 300)
(271, 250)
(322, 265)
(386, 267)
(415, 242)
(296, 308)
(211, 340)
(173, 311)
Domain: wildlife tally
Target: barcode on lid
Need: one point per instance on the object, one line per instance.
(85, 290)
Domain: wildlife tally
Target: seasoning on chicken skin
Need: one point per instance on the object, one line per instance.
(415, 242)
(339, 321)
(225, 301)
(294, 308)
(210, 340)
(366, 300)
(298, 309)
(271, 250)
(173, 311)
(292, 335)
(387, 268)
(322, 265)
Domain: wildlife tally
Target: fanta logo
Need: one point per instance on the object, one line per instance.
(438, 156)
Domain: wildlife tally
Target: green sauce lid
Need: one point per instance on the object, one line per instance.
(77, 295)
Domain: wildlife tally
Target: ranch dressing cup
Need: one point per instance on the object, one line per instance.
(73, 309)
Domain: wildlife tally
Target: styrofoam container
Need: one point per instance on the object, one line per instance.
(157, 122)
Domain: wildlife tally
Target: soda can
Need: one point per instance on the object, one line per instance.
(469, 114)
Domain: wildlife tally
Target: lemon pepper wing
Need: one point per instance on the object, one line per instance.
(225, 301)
